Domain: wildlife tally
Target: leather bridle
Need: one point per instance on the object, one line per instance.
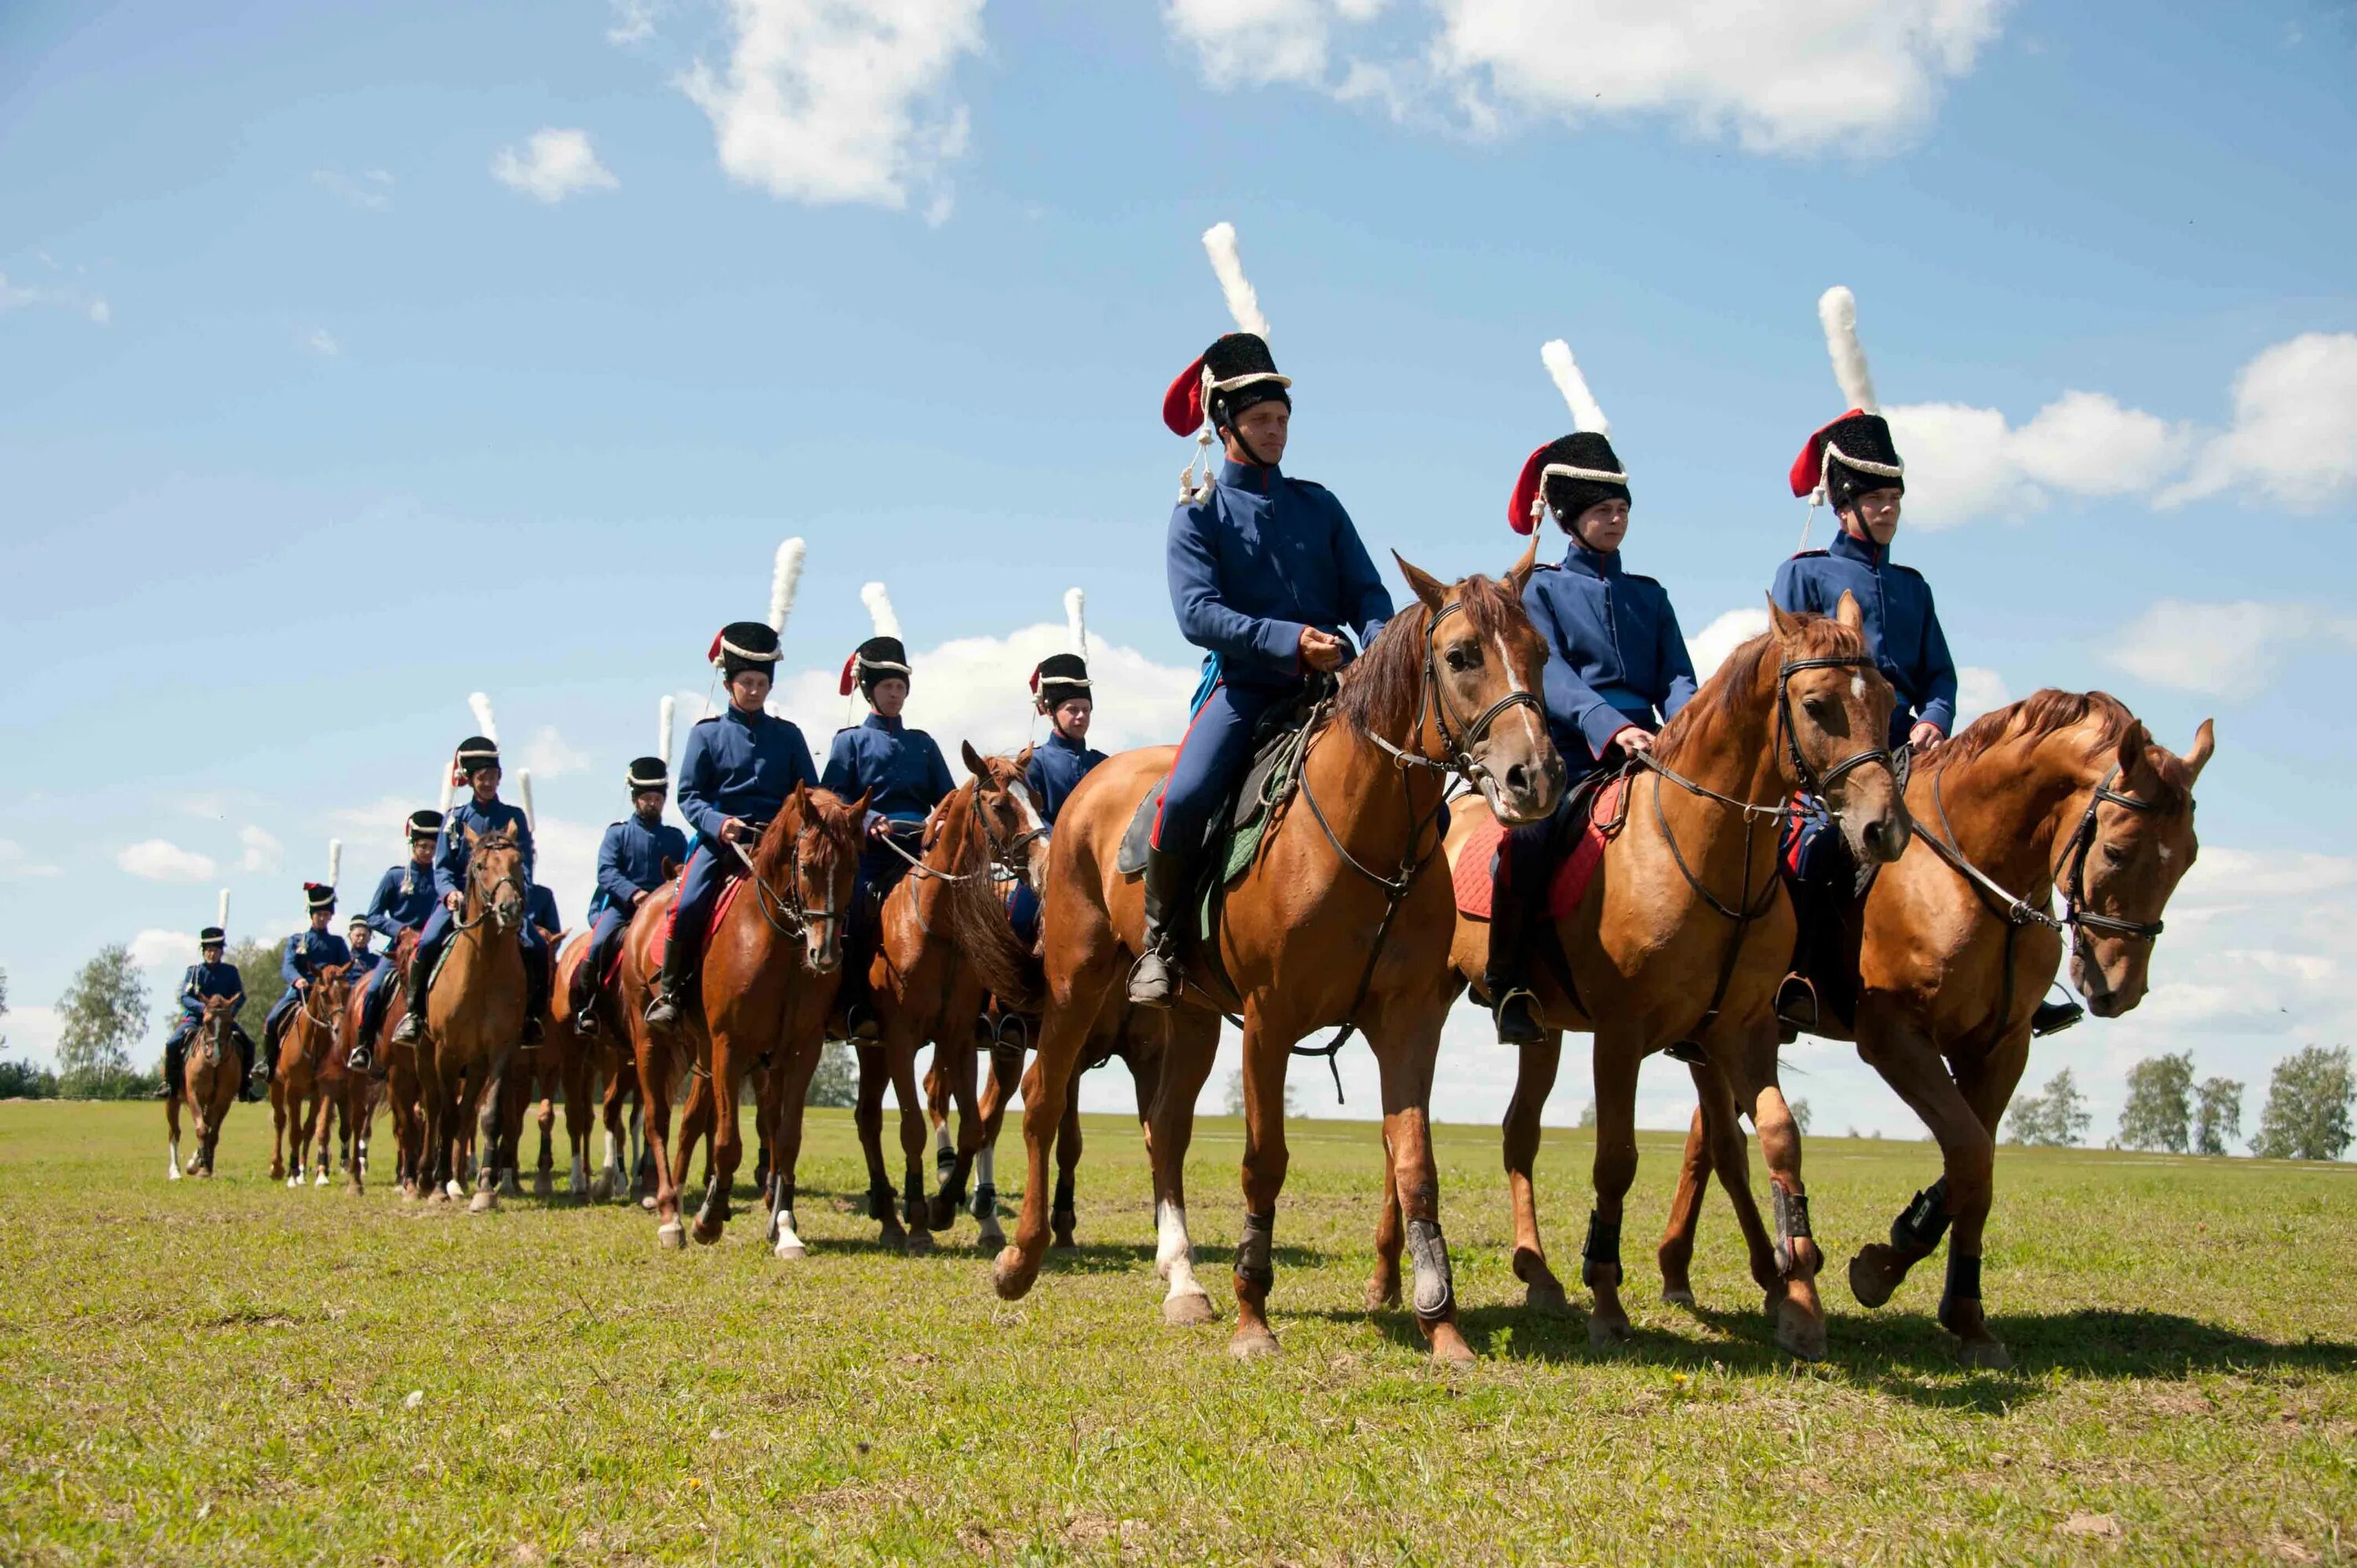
(1810, 781)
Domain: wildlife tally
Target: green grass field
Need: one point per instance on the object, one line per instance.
(231, 1372)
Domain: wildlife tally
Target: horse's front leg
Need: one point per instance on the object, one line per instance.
(1406, 1043)
(1617, 1056)
(278, 1126)
(490, 1174)
(950, 1083)
(1987, 1084)
(1060, 1216)
(868, 1117)
(1266, 1055)
(727, 1144)
(1714, 1141)
(1744, 1055)
(172, 1133)
(792, 1093)
(1063, 1031)
(901, 1056)
(1534, 1078)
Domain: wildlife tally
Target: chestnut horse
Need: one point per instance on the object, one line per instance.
(987, 833)
(1684, 931)
(209, 1075)
(352, 1095)
(295, 1091)
(474, 1018)
(1949, 952)
(770, 968)
(1343, 918)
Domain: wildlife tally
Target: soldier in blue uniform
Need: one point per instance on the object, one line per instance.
(1617, 668)
(404, 901)
(210, 976)
(734, 777)
(1266, 573)
(365, 960)
(633, 860)
(305, 954)
(1059, 690)
(476, 765)
(904, 776)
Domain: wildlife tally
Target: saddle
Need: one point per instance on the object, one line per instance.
(1600, 804)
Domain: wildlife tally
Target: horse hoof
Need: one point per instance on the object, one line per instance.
(648, 1204)
(173, 1173)
(941, 1214)
(482, 1203)
(541, 1187)
(790, 1251)
(454, 1189)
(705, 1235)
(1547, 1298)
(1010, 1277)
(508, 1187)
(320, 1180)
(670, 1236)
(991, 1238)
(1448, 1347)
(1984, 1355)
(919, 1242)
(1252, 1342)
(600, 1190)
(1382, 1291)
(1189, 1309)
(1062, 1242)
(1801, 1332)
(1608, 1333)
(1874, 1274)
(293, 1182)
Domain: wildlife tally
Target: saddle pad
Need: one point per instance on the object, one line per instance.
(1476, 870)
(728, 891)
(1241, 826)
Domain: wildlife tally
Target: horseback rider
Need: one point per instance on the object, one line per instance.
(633, 859)
(404, 901)
(366, 961)
(305, 954)
(482, 813)
(904, 776)
(211, 975)
(1062, 692)
(1617, 670)
(734, 777)
(1267, 572)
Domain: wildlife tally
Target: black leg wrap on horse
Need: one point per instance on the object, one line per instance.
(1063, 1204)
(986, 1201)
(944, 1161)
(1435, 1286)
(1792, 1225)
(1964, 1279)
(1601, 1250)
(1252, 1252)
(880, 1199)
(1920, 1225)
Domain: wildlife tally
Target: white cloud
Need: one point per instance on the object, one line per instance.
(15, 295)
(1709, 647)
(550, 755)
(1978, 691)
(371, 189)
(101, 313)
(31, 1035)
(2293, 438)
(2224, 650)
(1964, 463)
(260, 849)
(1781, 76)
(634, 21)
(824, 102)
(16, 863)
(555, 164)
(322, 342)
(159, 860)
(156, 948)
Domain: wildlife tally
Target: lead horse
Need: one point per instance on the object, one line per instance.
(474, 1018)
(210, 1073)
(1344, 918)
(1684, 930)
(298, 1090)
(1947, 955)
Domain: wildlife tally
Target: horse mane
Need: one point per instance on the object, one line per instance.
(1385, 679)
(2050, 711)
(1818, 637)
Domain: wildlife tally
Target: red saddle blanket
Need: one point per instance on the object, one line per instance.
(1476, 872)
(728, 891)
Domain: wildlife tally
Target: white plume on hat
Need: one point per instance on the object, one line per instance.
(222, 920)
(782, 581)
(335, 861)
(1838, 309)
(523, 786)
(879, 609)
(1586, 413)
(1243, 304)
(664, 710)
(1076, 620)
(482, 705)
(450, 788)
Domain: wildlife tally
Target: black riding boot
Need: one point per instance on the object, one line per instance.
(412, 1023)
(1511, 1002)
(581, 995)
(1154, 982)
(670, 985)
(249, 1090)
(537, 981)
(175, 1068)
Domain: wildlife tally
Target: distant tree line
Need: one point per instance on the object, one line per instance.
(2307, 1113)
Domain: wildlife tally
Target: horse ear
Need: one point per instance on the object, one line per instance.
(1519, 572)
(2197, 756)
(1786, 626)
(800, 798)
(859, 807)
(1430, 589)
(473, 837)
(1848, 612)
(973, 762)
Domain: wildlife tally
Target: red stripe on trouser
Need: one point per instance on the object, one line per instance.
(1155, 838)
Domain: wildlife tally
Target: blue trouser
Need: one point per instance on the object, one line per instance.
(1023, 909)
(1213, 756)
(437, 935)
(612, 921)
(699, 885)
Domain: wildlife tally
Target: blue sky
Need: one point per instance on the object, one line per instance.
(355, 358)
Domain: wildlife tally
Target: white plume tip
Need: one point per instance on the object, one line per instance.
(879, 609)
(1076, 620)
(334, 862)
(222, 920)
(1243, 304)
(665, 711)
(1838, 310)
(482, 705)
(782, 582)
(523, 788)
(1586, 413)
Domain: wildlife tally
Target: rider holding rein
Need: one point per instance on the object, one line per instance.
(902, 773)
(1617, 668)
(404, 901)
(1267, 572)
(211, 975)
(633, 859)
(305, 954)
(482, 813)
(735, 775)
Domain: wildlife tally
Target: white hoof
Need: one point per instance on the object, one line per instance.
(671, 1237)
(321, 1179)
(295, 1181)
(452, 1189)
(482, 1203)
(171, 1173)
(648, 1204)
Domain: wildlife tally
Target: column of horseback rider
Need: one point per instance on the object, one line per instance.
(1268, 575)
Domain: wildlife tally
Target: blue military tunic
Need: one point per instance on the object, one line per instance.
(1252, 562)
(452, 852)
(204, 980)
(405, 900)
(304, 955)
(1902, 628)
(630, 862)
(364, 966)
(740, 765)
(1616, 656)
(1058, 766)
(902, 769)
(540, 909)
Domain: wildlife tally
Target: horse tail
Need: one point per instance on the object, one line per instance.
(984, 934)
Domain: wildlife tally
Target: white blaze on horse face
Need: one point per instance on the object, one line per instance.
(1857, 686)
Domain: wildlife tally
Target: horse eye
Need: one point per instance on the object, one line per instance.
(2114, 855)
(1462, 658)
(1818, 709)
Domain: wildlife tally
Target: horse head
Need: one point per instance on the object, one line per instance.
(2133, 845)
(1833, 719)
(819, 833)
(330, 988)
(1014, 833)
(495, 889)
(1468, 672)
(215, 1039)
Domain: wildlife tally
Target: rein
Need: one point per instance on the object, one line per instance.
(486, 901)
(785, 913)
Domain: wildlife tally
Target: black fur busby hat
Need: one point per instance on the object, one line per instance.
(425, 824)
(1059, 678)
(475, 752)
(647, 773)
(212, 937)
(319, 897)
(744, 645)
(883, 657)
(1855, 454)
(1573, 472)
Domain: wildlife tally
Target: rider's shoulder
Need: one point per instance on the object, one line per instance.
(1907, 572)
(1811, 554)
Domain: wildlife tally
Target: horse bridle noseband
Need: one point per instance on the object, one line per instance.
(2076, 917)
(458, 920)
(1811, 782)
(786, 913)
(1461, 760)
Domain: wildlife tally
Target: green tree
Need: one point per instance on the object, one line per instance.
(2218, 1119)
(102, 1015)
(2306, 1116)
(21, 1081)
(1800, 1109)
(836, 1080)
(257, 965)
(2160, 1106)
(2054, 1117)
(1234, 1094)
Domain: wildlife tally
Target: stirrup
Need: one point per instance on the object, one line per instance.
(662, 1009)
(406, 1032)
(1796, 1003)
(585, 1021)
(1518, 1026)
(359, 1060)
(1157, 986)
(2053, 1018)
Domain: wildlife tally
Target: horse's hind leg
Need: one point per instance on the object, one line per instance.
(1533, 1081)
(1187, 1058)
(901, 1056)
(172, 1133)
(1060, 1216)
(937, 1112)
(951, 1081)
(1987, 1086)
(1720, 1128)
(1675, 1253)
(1265, 1160)
(1391, 1240)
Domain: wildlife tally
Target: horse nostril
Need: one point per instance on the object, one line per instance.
(1518, 777)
